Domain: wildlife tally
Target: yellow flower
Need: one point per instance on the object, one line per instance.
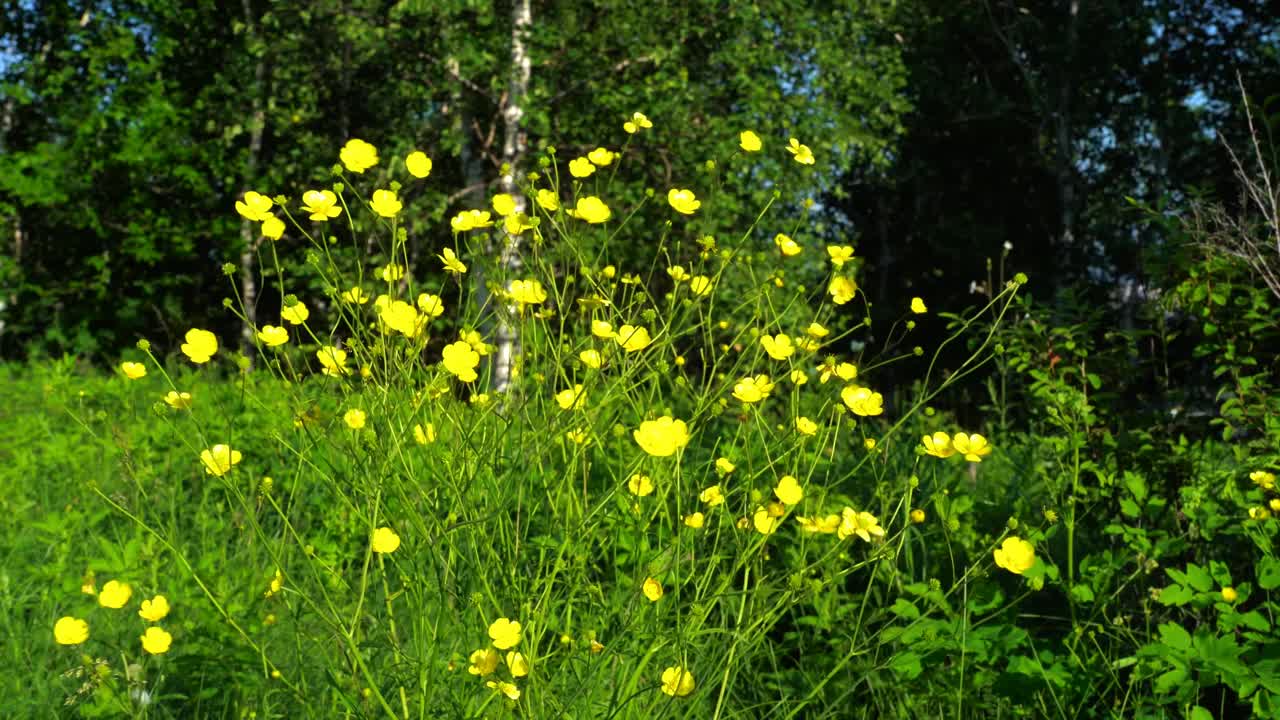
(271, 335)
(133, 370)
(470, 220)
(355, 295)
(632, 338)
(694, 520)
(219, 459)
(765, 522)
(1275, 504)
(917, 516)
(276, 584)
(862, 401)
(333, 361)
(869, 443)
(863, 524)
(527, 292)
(355, 419)
(505, 633)
(652, 589)
(662, 437)
(839, 254)
(918, 307)
(786, 245)
(517, 664)
(451, 262)
(178, 400)
(200, 345)
(418, 164)
(430, 305)
(572, 398)
(255, 207)
(477, 343)
(724, 466)
(548, 200)
(788, 490)
(677, 682)
(358, 155)
(578, 437)
(591, 358)
(974, 447)
(602, 329)
(798, 377)
(295, 314)
(805, 426)
(1015, 555)
(1229, 594)
(503, 204)
(385, 203)
(826, 525)
(322, 204)
(801, 153)
(70, 631)
(424, 434)
(581, 167)
(712, 495)
(700, 284)
(683, 201)
(816, 331)
(391, 272)
(749, 141)
(938, 445)
(1259, 513)
(272, 228)
(640, 485)
(484, 662)
(842, 289)
(637, 121)
(155, 609)
(591, 209)
(114, 594)
(508, 689)
(156, 641)
(461, 359)
(516, 223)
(678, 273)
(602, 157)
(753, 389)
(778, 346)
(1263, 479)
(384, 540)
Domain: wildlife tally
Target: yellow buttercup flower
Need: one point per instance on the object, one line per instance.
(418, 164)
(753, 389)
(358, 155)
(805, 426)
(385, 203)
(272, 228)
(816, 331)
(801, 153)
(638, 121)
(355, 419)
(591, 209)
(333, 361)
(863, 524)
(918, 306)
(424, 434)
(712, 495)
(484, 662)
(917, 516)
(798, 377)
(572, 398)
(779, 347)
(155, 609)
(1015, 555)
(470, 220)
(765, 522)
(845, 371)
(156, 641)
(432, 306)
(70, 631)
(973, 447)
(700, 285)
(133, 370)
(938, 445)
(1229, 594)
(391, 272)
(591, 358)
(1263, 479)
(826, 525)
(517, 664)
(507, 689)
(786, 245)
(505, 633)
(749, 141)
(526, 292)
(632, 338)
(602, 157)
(694, 520)
(178, 400)
(839, 254)
(678, 273)
(255, 207)
(724, 466)
(788, 490)
(677, 682)
(384, 540)
(295, 314)
(272, 335)
(640, 485)
(842, 289)
(683, 201)
(581, 167)
(578, 437)
(602, 329)
(451, 262)
(862, 401)
(548, 200)
(461, 359)
(503, 204)
(652, 589)
(662, 437)
(219, 459)
(517, 223)
(200, 345)
(321, 204)
(114, 594)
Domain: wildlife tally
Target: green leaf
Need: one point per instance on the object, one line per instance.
(906, 664)
(1269, 573)
(904, 608)
(1175, 595)
(1082, 593)
(1199, 713)
(1175, 636)
(1171, 681)
(1199, 578)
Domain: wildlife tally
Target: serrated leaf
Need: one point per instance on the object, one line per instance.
(906, 664)
(1175, 636)
(1199, 578)
(904, 608)
(1175, 595)
(1269, 573)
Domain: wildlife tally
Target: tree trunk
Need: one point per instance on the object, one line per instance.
(514, 146)
(258, 121)
(1066, 157)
